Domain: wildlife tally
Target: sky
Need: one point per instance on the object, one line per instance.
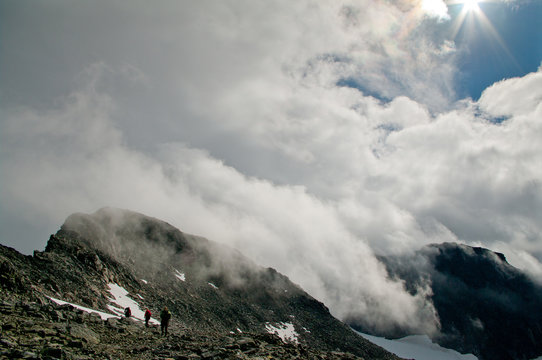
(310, 135)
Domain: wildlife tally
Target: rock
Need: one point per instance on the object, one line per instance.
(30, 355)
(113, 323)
(95, 318)
(7, 327)
(76, 344)
(246, 343)
(54, 352)
(44, 332)
(83, 332)
(210, 355)
(7, 343)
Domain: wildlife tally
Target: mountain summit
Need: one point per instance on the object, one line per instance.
(485, 305)
(114, 257)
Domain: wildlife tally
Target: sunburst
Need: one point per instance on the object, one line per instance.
(471, 5)
(471, 13)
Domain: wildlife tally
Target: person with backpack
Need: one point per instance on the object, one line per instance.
(165, 315)
(147, 317)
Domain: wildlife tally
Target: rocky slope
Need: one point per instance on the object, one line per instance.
(486, 306)
(223, 305)
(34, 330)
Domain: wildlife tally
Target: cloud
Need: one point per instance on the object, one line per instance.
(310, 136)
(478, 178)
(417, 180)
(435, 8)
(517, 96)
(73, 158)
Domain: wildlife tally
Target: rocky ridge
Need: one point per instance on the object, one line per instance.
(223, 305)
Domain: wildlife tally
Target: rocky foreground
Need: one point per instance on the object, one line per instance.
(45, 330)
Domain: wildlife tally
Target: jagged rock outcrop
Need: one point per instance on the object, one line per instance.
(213, 292)
(485, 306)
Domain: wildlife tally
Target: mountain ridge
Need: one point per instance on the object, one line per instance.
(209, 288)
(485, 306)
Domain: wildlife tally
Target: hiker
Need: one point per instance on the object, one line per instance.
(165, 315)
(127, 312)
(147, 317)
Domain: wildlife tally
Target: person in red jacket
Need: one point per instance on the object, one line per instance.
(147, 317)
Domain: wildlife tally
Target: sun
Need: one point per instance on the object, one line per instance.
(470, 5)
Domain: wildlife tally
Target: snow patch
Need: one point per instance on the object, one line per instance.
(121, 299)
(141, 297)
(180, 275)
(417, 347)
(145, 281)
(284, 330)
(213, 286)
(103, 315)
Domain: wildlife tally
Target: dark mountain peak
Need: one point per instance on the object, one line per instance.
(457, 250)
(485, 305)
(475, 266)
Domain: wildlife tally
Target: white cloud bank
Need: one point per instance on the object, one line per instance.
(453, 177)
(263, 148)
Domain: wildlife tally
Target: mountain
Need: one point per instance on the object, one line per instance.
(223, 304)
(486, 306)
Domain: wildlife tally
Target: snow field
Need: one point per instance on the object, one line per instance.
(103, 315)
(284, 330)
(121, 299)
(417, 347)
(180, 275)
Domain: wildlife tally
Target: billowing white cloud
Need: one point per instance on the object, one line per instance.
(309, 135)
(417, 179)
(74, 157)
(435, 8)
(513, 97)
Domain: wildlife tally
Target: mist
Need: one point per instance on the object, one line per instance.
(234, 123)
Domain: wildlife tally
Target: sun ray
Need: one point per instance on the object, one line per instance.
(471, 12)
(486, 24)
(469, 8)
